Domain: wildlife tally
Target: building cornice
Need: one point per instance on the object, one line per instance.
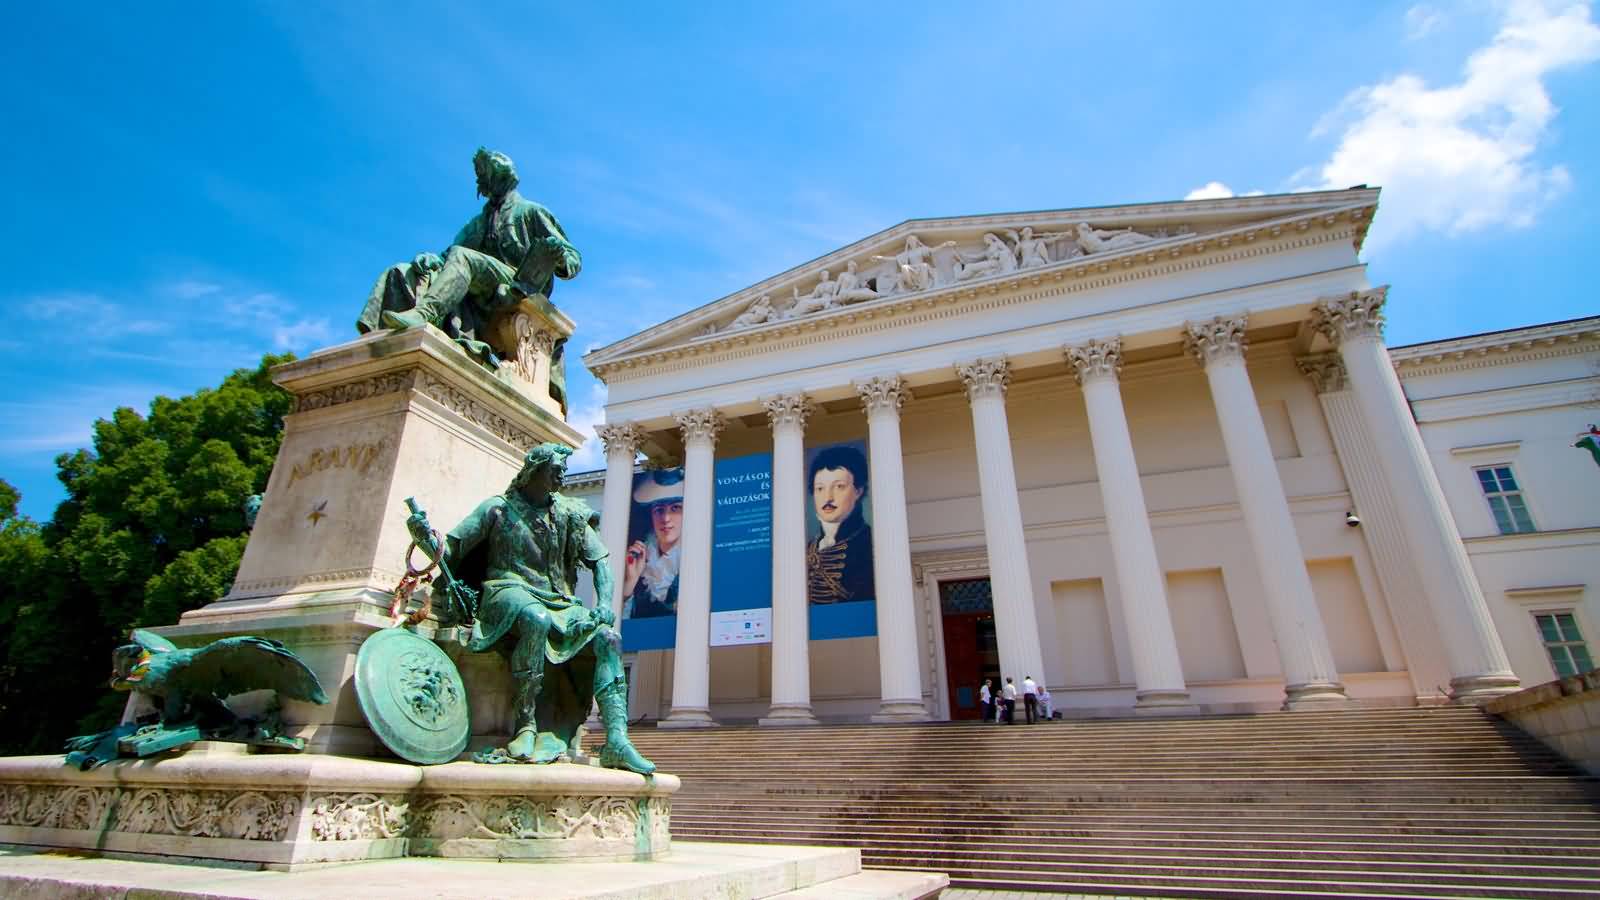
(1102, 270)
(1481, 350)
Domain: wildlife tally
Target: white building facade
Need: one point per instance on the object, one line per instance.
(1157, 457)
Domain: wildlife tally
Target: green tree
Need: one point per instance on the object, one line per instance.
(151, 527)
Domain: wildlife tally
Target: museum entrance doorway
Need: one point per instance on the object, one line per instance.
(970, 652)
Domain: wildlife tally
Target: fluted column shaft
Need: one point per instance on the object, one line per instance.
(691, 659)
(1015, 624)
(900, 676)
(1479, 668)
(1157, 668)
(1309, 674)
(622, 445)
(791, 656)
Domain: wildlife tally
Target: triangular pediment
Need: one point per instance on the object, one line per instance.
(922, 257)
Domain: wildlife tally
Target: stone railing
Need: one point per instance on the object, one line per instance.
(1564, 715)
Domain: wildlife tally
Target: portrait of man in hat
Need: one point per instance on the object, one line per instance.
(650, 568)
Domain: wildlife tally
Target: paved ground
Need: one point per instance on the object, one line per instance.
(970, 894)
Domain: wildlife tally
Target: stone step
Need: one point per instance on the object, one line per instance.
(1136, 841)
(1074, 826)
(1435, 802)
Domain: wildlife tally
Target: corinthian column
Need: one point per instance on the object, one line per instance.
(622, 445)
(1015, 625)
(899, 674)
(691, 660)
(1478, 665)
(1157, 670)
(1308, 672)
(791, 657)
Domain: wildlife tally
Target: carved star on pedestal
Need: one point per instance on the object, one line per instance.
(316, 515)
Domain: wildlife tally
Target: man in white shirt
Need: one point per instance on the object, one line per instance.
(1030, 698)
(1008, 696)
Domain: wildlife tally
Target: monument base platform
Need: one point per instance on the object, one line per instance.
(219, 804)
(691, 870)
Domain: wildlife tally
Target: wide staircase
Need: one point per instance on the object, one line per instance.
(1442, 802)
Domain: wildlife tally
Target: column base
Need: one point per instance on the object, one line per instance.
(1165, 703)
(901, 711)
(1314, 695)
(688, 717)
(1475, 689)
(788, 714)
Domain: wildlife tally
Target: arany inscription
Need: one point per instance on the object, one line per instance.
(356, 457)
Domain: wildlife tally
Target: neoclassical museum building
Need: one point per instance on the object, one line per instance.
(1158, 457)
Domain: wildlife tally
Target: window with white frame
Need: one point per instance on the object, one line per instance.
(1505, 499)
(1569, 655)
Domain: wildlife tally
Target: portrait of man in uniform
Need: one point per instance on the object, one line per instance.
(839, 556)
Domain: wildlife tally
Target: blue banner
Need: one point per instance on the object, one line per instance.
(741, 552)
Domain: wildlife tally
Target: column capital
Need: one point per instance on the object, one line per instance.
(1326, 371)
(985, 377)
(883, 394)
(700, 425)
(623, 437)
(1353, 316)
(788, 409)
(1215, 340)
(1095, 360)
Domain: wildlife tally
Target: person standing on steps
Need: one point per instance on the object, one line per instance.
(986, 699)
(1030, 699)
(1009, 695)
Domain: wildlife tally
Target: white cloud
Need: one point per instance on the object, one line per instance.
(302, 334)
(1421, 20)
(1460, 158)
(193, 289)
(585, 416)
(1212, 190)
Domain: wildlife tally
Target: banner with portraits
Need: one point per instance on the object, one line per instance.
(839, 569)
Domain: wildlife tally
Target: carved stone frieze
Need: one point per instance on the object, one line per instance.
(468, 407)
(883, 394)
(1326, 371)
(55, 806)
(539, 818)
(1355, 316)
(789, 409)
(237, 815)
(1221, 338)
(245, 815)
(351, 391)
(1096, 360)
(700, 425)
(625, 438)
(533, 343)
(985, 377)
(356, 817)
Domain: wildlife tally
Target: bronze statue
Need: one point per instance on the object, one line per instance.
(513, 249)
(524, 547)
(192, 688)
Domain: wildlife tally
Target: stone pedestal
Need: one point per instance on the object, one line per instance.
(390, 416)
(285, 811)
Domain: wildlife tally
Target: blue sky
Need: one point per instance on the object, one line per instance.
(190, 186)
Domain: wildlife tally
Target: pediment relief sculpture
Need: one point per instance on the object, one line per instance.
(923, 267)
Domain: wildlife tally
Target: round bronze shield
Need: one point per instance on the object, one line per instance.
(413, 697)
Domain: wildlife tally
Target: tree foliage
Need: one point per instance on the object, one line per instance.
(152, 527)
